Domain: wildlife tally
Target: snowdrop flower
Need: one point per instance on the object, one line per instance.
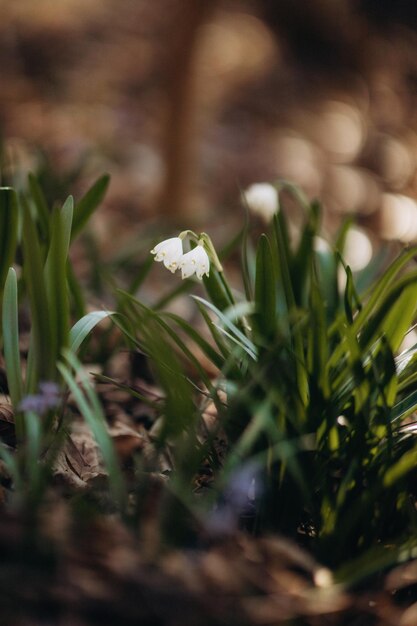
(196, 260)
(170, 252)
(262, 198)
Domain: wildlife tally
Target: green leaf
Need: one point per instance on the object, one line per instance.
(380, 288)
(13, 468)
(11, 346)
(56, 276)
(207, 349)
(42, 351)
(400, 317)
(76, 291)
(8, 231)
(373, 325)
(215, 333)
(81, 329)
(265, 291)
(350, 297)
(317, 338)
(215, 288)
(246, 344)
(88, 204)
(42, 210)
(404, 407)
(248, 260)
(301, 264)
(90, 408)
(326, 268)
(145, 313)
(284, 276)
(401, 468)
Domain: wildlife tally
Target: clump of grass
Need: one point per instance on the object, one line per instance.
(316, 394)
(36, 274)
(315, 401)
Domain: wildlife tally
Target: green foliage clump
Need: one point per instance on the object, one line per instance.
(315, 401)
(316, 395)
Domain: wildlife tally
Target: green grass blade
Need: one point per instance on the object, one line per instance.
(374, 323)
(265, 291)
(284, 276)
(317, 351)
(326, 269)
(33, 451)
(8, 231)
(216, 335)
(90, 408)
(78, 302)
(401, 468)
(246, 344)
(300, 268)
(216, 290)
(11, 346)
(88, 204)
(377, 292)
(81, 329)
(13, 468)
(41, 359)
(42, 210)
(404, 407)
(216, 358)
(56, 276)
(400, 317)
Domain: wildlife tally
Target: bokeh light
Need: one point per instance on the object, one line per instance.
(398, 217)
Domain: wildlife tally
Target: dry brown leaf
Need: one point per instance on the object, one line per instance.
(126, 440)
(7, 426)
(78, 462)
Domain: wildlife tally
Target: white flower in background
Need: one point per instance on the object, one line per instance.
(321, 246)
(169, 252)
(195, 261)
(357, 250)
(262, 198)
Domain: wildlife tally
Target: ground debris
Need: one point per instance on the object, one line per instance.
(94, 571)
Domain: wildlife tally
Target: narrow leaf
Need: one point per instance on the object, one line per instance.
(88, 204)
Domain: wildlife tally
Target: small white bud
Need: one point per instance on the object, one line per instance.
(357, 251)
(262, 198)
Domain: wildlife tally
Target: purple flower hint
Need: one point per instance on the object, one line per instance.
(243, 487)
(50, 393)
(47, 398)
(33, 403)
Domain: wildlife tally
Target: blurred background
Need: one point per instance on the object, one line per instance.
(187, 102)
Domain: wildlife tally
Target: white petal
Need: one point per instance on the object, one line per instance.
(203, 262)
(188, 264)
(195, 261)
(169, 252)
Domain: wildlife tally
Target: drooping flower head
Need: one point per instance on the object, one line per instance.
(169, 252)
(195, 261)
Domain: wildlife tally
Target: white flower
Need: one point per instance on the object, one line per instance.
(196, 260)
(357, 250)
(170, 252)
(262, 198)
